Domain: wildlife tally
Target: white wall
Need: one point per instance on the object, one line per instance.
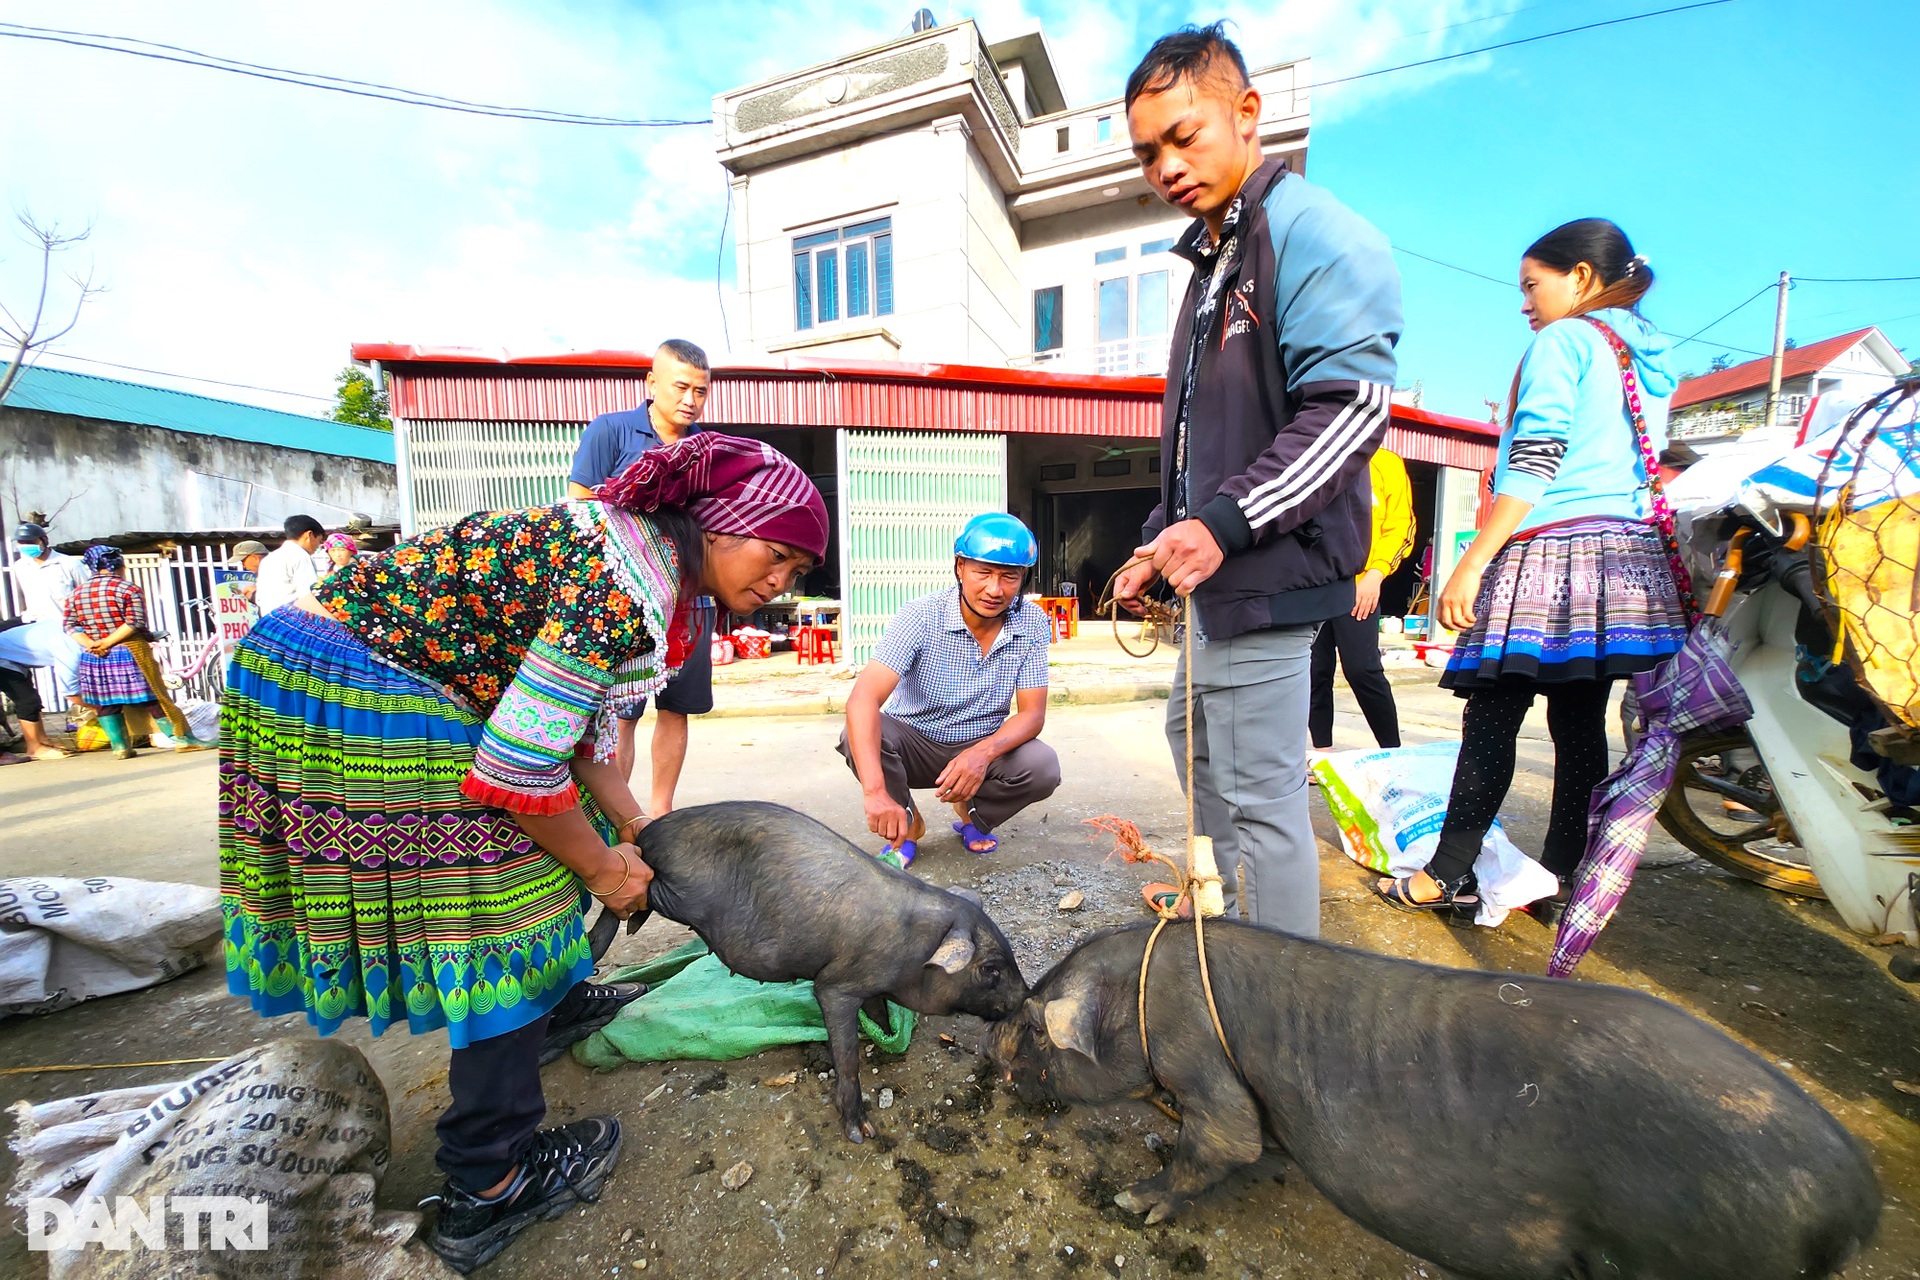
(920, 179)
(114, 478)
(1060, 251)
(964, 271)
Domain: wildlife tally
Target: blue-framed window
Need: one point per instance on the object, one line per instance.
(1152, 247)
(844, 272)
(1103, 129)
(1101, 257)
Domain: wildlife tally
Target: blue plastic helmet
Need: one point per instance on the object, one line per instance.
(997, 538)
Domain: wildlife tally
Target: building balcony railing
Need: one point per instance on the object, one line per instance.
(1721, 424)
(1128, 357)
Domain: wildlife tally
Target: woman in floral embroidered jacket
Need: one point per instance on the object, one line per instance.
(417, 789)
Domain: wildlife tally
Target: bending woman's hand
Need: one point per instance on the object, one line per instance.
(626, 881)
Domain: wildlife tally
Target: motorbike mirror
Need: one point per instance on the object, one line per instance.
(1754, 503)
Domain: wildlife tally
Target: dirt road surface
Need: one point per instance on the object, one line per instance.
(963, 1182)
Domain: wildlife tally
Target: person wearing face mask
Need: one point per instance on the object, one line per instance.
(930, 709)
(36, 638)
(418, 795)
(1568, 585)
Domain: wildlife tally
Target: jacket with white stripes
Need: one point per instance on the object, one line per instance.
(1291, 398)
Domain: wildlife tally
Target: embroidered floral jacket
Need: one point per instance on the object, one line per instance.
(543, 621)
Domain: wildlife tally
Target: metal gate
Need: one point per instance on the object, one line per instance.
(903, 497)
(449, 469)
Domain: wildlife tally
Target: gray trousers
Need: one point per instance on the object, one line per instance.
(1250, 697)
(909, 758)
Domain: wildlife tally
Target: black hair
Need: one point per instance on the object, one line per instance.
(1193, 54)
(1624, 276)
(301, 526)
(685, 352)
(689, 542)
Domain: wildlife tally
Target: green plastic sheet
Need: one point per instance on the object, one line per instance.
(697, 1008)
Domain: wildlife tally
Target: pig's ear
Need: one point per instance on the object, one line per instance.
(955, 952)
(1073, 1022)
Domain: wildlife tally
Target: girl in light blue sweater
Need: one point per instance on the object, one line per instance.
(1568, 586)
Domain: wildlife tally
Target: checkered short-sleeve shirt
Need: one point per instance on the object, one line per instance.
(948, 690)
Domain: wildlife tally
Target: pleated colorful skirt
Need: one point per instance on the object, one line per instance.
(1588, 599)
(113, 681)
(355, 878)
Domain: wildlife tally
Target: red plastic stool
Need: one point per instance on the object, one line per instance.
(806, 645)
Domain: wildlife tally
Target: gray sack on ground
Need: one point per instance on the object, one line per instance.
(302, 1124)
(63, 940)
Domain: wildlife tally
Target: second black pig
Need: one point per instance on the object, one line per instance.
(779, 896)
(1504, 1127)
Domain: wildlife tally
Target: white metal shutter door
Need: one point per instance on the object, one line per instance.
(903, 497)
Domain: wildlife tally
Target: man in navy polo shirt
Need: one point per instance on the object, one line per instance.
(676, 397)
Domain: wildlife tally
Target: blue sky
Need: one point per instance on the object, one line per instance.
(250, 231)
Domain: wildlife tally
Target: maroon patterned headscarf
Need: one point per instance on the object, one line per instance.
(729, 485)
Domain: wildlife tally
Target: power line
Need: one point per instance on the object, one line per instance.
(1854, 279)
(1509, 44)
(314, 80)
(1508, 284)
(1465, 271)
(1696, 333)
(157, 51)
(187, 377)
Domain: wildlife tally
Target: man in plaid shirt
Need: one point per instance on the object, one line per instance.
(930, 709)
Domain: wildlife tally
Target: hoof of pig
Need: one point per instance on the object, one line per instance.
(860, 1131)
(1158, 1207)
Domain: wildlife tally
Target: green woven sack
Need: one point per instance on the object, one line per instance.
(697, 1008)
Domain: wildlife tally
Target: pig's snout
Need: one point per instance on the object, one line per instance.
(1004, 998)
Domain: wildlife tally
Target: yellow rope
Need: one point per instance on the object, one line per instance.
(1189, 882)
(106, 1066)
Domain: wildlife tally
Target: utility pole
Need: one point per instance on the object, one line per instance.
(1779, 351)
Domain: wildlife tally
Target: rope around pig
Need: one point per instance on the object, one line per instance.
(1133, 847)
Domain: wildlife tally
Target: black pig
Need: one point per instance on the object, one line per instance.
(779, 896)
(1506, 1128)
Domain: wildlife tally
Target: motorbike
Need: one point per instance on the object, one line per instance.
(1819, 793)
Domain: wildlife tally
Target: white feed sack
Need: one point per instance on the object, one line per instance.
(301, 1125)
(1390, 804)
(63, 941)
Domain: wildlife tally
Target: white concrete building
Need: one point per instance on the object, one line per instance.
(937, 200)
(1728, 402)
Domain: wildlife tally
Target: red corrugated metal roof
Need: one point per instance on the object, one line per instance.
(471, 385)
(1756, 373)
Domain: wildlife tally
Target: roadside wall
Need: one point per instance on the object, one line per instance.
(121, 479)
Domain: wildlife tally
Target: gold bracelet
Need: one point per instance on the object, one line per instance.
(630, 822)
(625, 866)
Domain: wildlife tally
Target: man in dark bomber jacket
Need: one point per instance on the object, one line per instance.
(1279, 381)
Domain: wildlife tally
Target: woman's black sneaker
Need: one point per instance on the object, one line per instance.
(584, 1010)
(560, 1168)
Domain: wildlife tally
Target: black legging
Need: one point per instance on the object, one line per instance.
(1489, 732)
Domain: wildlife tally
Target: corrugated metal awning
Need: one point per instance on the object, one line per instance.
(470, 386)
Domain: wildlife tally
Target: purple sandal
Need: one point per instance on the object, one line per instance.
(971, 835)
